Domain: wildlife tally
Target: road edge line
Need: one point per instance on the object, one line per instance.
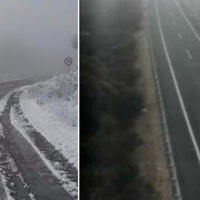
(164, 126)
(190, 130)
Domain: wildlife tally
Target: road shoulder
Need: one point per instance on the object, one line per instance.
(151, 153)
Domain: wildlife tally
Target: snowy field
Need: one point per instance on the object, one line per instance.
(52, 108)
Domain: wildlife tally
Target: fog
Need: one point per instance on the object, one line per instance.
(35, 36)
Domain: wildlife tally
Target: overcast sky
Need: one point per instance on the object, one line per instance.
(35, 35)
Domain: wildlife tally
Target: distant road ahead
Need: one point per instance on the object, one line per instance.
(6, 87)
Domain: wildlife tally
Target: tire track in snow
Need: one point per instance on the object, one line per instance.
(42, 183)
(65, 171)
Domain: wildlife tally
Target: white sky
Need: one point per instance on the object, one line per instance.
(35, 35)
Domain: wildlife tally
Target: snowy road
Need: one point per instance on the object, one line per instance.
(23, 169)
(6, 87)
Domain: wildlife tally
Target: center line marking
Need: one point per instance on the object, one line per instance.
(189, 55)
(180, 36)
(187, 20)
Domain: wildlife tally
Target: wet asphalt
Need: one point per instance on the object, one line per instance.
(183, 50)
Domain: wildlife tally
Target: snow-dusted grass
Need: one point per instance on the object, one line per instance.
(7, 190)
(52, 109)
(4, 180)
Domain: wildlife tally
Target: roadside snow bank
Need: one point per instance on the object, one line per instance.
(52, 109)
(7, 190)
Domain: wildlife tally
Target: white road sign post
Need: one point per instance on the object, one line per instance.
(68, 61)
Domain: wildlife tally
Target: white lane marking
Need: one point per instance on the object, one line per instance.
(189, 54)
(174, 23)
(187, 20)
(180, 36)
(165, 127)
(190, 130)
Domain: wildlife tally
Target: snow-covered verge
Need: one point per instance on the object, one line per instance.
(7, 190)
(52, 109)
(68, 185)
(8, 170)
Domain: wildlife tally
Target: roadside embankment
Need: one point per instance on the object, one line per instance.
(151, 153)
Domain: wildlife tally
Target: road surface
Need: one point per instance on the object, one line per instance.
(175, 37)
(27, 175)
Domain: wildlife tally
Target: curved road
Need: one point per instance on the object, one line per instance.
(27, 176)
(5, 88)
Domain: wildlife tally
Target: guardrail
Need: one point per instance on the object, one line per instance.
(165, 134)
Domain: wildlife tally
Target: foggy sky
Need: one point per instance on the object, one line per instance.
(35, 35)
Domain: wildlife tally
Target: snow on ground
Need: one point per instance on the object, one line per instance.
(4, 101)
(52, 109)
(8, 192)
(3, 180)
(68, 185)
(1, 131)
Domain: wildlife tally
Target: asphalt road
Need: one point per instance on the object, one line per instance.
(175, 36)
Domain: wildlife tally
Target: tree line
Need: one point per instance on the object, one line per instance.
(110, 102)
